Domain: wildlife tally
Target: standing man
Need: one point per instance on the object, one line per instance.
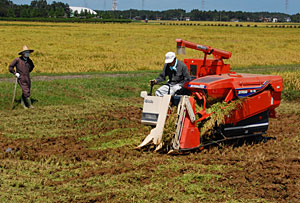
(24, 66)
(177, 72)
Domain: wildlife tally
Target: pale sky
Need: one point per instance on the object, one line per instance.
(188, 5)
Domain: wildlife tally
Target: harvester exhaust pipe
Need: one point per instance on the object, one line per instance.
(180, 50)
(180, 47)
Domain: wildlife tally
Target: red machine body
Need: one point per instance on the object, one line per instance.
(261, 94)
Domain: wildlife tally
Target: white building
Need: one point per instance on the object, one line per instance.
(81, 9)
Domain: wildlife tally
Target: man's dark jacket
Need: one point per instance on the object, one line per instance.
(180, 76)
(24, 67)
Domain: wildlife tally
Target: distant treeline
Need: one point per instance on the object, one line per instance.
(37, 8)
(198, 15)
(66, 20)
(41, 9)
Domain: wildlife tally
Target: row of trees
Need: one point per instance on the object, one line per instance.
(40, 8)
(37, 8)
(198, 15)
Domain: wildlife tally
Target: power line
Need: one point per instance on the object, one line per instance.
(85, 3)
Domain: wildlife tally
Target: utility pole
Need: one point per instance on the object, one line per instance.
(202, 4)
(114, 5)
(286, 5)
(143, 4)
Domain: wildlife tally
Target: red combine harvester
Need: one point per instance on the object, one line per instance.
(258, 95)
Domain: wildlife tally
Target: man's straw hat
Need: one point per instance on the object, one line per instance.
(25, 48)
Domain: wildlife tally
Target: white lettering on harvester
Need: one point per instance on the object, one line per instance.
(243, 92)
(198, 86)
(148, 101)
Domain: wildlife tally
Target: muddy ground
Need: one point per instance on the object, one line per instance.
(267, 170)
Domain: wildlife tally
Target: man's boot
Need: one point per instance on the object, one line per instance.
(23, 102)
(29, 104)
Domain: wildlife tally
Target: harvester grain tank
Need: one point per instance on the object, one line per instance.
(257, 97)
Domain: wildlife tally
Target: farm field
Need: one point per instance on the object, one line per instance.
(78, 144)
(74, 47)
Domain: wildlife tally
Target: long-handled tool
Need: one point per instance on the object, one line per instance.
(14, 94)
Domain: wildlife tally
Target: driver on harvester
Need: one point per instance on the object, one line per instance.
(176, 71)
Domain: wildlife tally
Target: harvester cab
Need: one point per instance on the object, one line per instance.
(221, 105)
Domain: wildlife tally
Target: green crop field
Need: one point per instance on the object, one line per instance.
(77, 144)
